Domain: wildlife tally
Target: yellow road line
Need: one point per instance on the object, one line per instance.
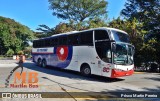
(139, 72)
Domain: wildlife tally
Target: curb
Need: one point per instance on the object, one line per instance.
(139, 72)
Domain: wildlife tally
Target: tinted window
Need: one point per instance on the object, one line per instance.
(101, 35)
(103, 49)
(47, 42)
(63, 40)
(86, 38)
(54, 42)
(34, 44)
(38, 43)
(42, 43)
(73, 39)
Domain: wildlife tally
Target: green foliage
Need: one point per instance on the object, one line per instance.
(44, 28)
(10, 52)
(78, 10)
(72, 26)
(152, 45)
(27, 51)
(45, 31)
(14, 35)
(147, 13)
(97, 22)
(80, 14)
(62, 28)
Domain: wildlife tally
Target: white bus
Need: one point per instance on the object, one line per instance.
(99, 51)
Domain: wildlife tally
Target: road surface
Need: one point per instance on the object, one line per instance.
(56, 80)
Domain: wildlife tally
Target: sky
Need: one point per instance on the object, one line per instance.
(36, 12)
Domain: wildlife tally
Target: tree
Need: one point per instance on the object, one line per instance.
(10, 52)
(71, 26)
(45, 31)
(27, 51)
(63, 28)
(96, 22)
(14, 35)
(80, 15)
(145, 11)
(152, 46)
(78, 10)
(44, 28)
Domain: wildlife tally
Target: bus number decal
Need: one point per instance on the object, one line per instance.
(105, 69)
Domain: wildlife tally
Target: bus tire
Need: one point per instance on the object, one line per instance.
(44, 63)
(85, 70)
(39, 62)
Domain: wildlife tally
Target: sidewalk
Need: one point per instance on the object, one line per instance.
(8, 63)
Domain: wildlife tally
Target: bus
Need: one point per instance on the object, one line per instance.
(100, 51)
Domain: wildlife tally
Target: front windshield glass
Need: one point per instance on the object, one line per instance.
(120, 37)
(123, 54)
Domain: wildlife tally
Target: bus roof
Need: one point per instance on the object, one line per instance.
(109, 28)
(74, 32)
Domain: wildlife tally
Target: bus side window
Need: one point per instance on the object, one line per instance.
(73, 39)
(34, 44)
(103, 49)
(50, 42)
(39, 43)
(63, 40)
(43, 43)
(54, 42)
(86, 38)
(60, 40)
(101, 35)
(47, 42)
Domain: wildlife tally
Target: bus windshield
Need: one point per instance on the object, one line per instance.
(123, 54)
(120, 37)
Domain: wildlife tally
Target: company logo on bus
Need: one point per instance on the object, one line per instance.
(62, 53)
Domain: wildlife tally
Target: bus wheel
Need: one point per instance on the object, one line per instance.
(39, 62)
(44, 63)
(85, 70)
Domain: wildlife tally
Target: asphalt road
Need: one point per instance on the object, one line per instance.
(56, 80)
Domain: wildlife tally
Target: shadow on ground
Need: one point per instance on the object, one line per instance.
(69, 74)
(157, 78)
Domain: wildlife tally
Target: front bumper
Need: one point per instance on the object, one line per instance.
(116, 73)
